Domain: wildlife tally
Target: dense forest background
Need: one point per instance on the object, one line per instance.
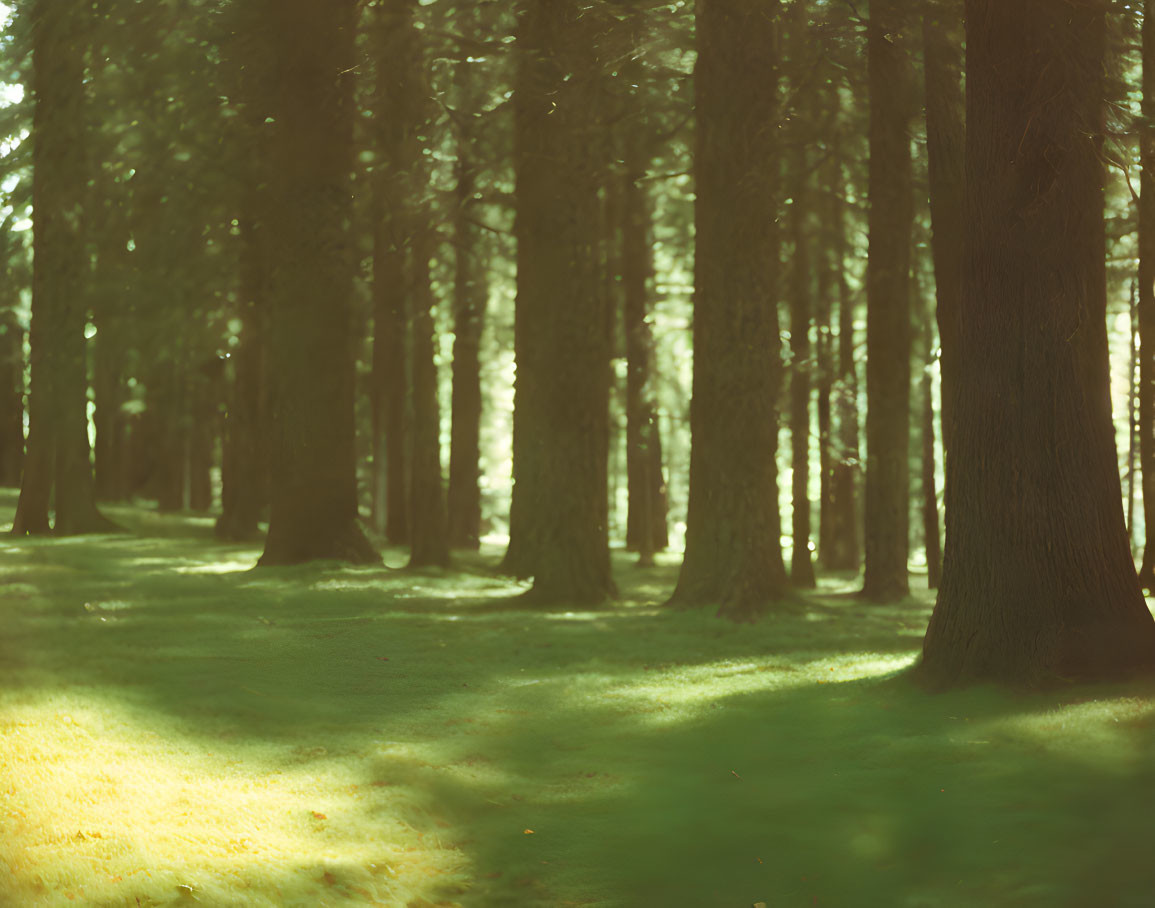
(548, 275)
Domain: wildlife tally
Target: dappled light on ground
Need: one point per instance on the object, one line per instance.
(175, 728)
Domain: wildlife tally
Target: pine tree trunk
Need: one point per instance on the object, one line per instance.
(945, 140)
(60, 281)
(11, 398)
(562, 345)
(313, 511)
(891, 220)
(929, 512)
(801, 565)
(733, 556)
(1038, 583)
(1147, 297)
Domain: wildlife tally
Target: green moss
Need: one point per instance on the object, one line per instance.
(323, 735)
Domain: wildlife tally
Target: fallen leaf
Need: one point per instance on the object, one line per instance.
(317, 815)
(529, 832)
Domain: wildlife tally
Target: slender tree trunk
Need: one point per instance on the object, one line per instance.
(395, 142)
(11, 397)
(1038, 583)
(930, 525)
(945, 138)
(1147, 297)
(888, 308)
(733, 555)
(314, 496)
(471, 290)
(801, 565)
(59, 282)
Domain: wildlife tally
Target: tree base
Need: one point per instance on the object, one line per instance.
(350, 546)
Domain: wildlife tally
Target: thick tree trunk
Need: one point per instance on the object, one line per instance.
(733, 555)
(314, 496)
(1038, 583)
(562, 345)
(891, 220)
(945, 138)
(470, 293)
(59, 281)
(1147, 297)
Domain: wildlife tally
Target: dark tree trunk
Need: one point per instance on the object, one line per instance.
(429, 532)
(891, 220)
(646, 530)
(313, 511)
(562, 345)
(11, 398)
(1038, 583)
(1147, 297)
(245, 461)
(733, 554)
(470, 293)
(801, 565)
(168, 427)
(945, 137)
(397, 148)
(59, 282)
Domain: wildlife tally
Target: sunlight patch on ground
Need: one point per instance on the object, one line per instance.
(1097, 733)
(234, 566)
(99, 804)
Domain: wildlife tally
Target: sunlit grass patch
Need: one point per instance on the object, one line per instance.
(103, 805)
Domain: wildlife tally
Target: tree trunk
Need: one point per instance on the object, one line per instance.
(1038, 583)
(562, 345)
(470, 294)
(801, 565)
(930, 524)
(1147, 297)
(945, 139)
(733, 555)
(11, 398)
(59, 283)
(314, 496)
(891, 220)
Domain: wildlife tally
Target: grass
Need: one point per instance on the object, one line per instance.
(178, 729)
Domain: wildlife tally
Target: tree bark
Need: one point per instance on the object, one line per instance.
(1147, 297)
(891, 220)
(313, 511)
(1038, 584)
(733, 555)
(563, 366)
(59, 285)
(945, 141)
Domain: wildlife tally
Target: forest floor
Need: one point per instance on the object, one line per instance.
(179, 729)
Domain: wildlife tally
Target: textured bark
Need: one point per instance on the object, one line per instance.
(839, 548)
(891, 220)
(313, 510)
(1147, 297)
(59, 284)
(801, 565)
(733, 556)
(945, 140)
(396, 146)
(562, 391)
(646, 530)
(1038, 583)
(11, 398)
(470, 295)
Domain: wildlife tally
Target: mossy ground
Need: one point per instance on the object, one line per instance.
(177, 728)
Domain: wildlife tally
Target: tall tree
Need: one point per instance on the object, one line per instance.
(1038, 583)
(314, 497)
(733, 554)
(1147, 296)
(11, 367)
(563, 367)
(945, 131)
(58, 449)
(891, 220)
